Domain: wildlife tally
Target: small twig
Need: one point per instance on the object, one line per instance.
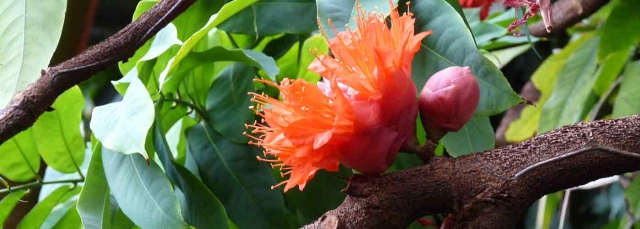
(186, 103)
(40, 183)
(594, 112)
(565, 205)
(424, 152)
(577, 152)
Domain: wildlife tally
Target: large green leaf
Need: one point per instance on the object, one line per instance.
(632, 194)
(452, 44)
(228, 102)
(37, 216)
(123, 126)
(620, 31)
(30, 32)
(59, 212)
(142, 190)
(94, 203)
(225, 13)
(21, 160)
(343, 12)
(544, 79)
(8, 203)
(71, 220)
(60, 142)
(572, 90)
(200, 207)
(271, 17)
(627, 101)
(218, 53)
(475, 136)
(242, 183)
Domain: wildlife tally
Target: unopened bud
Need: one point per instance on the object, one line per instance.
(448, 101)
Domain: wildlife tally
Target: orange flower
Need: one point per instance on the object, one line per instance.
(360, 115)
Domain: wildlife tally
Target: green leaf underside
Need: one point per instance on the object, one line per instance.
(452, 44)
(242, 183)
(24, 25)
(122, 126)
(142, 190)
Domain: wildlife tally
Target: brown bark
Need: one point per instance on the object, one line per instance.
(482, 190)
(26, 106)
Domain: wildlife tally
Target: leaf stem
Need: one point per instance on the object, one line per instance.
(201, 112)
(40, 183)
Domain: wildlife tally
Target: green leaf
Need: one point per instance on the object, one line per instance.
(228, 102)
(610, 69)
(8, 203)
(59, 212)
(70, 220)
(628, 96)
(60, 142)
(632, 194)
(452, 44)
(142, 190)
(312, 44)
(94, 203)
(475, 136)
(503, 56)
(30, 32)
(21, 160)
(225, 13)
(120, 220)
(572, 90)
(620, 31)
(122, 126)
(242, 183)
(200, 207)
(544, 79)
(271, 17)
(320, 195)
(483, 31)
(218, 53)
(343, 12)
(37, 216)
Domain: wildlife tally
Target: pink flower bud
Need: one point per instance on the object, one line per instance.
(448, 100)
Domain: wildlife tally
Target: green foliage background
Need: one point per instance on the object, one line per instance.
(172, 154)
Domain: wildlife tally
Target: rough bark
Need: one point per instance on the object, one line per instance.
(482, 190)
(26, 106)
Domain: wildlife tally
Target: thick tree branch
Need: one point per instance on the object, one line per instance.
(567, 13)
(481, 190)
(26, 106)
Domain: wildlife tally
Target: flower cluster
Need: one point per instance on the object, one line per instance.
(360, 115)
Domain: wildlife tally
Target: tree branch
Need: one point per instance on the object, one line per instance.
(481, 190)
(26, 106)
(567, 13)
